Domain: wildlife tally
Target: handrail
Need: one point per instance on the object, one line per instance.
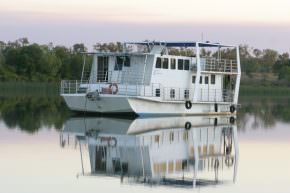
(218, 65)
(155, 90)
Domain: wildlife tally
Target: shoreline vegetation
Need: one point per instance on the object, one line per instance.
(26, 66)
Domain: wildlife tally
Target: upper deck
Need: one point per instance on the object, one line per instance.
(154, 71)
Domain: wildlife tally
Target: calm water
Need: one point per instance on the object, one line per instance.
(45, 148)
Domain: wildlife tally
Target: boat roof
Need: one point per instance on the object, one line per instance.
(180, 44)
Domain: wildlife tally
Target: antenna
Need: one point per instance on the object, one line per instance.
(201, 36)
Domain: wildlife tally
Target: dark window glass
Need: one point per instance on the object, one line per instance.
(184, 164)
(180, 64)
(186, 64)
(158, 62)
(165, 63)
(157, 92)
(206, 80)
(123, 60)
(193, 79)
(173, 63)
(127, 61)
(212, 79)
(172, 93)
(186, 94)
(200, 80)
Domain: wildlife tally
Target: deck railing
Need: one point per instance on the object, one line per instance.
(218, 65)
(118, 77)
(153, 90)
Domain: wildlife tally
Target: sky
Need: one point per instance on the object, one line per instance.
(258, 23)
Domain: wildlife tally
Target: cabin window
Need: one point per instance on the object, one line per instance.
(186, 64)
(157, 92)
(171, 136)
(186, 94)
(158, 62)
(184, 164)
(185, 136)
(180, 64)
(124, 60)
(212, 79)
(193, 79)
(156, 138)
(165, 63)
(200, 80)
(172, 93)
(173, 63)
(206, 80)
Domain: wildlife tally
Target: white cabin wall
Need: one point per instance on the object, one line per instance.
(211, 91)
(134, 73)
(172, 78)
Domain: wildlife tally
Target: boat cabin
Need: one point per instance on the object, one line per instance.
(159, 75)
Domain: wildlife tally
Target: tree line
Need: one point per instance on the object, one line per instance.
(24, 61)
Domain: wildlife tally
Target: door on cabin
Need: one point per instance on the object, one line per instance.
(103, 69)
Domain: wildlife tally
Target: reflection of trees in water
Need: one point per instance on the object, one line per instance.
(263, 112)
(32, 113)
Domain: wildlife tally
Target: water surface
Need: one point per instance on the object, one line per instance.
(46, 148)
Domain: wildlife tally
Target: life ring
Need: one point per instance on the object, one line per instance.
(187, 125)
(232, 108)
(114, 88)
(188, 104)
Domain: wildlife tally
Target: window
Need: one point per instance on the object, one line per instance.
(171, 136)
(165, 63)
(193, 79)
(157, 92)
(172, 93)
(206, 80)
(156, 138)
(186, 64)
(173, 63)
(184, 164)
(185, 136)
(124, 60)
(200, 80)
(158, 62)
(180, 64)
(212, 79)
(186, 94)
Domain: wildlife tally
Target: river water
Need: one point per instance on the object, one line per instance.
(46, 148)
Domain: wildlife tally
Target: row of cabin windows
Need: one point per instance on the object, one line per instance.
(182, 64)
(122, 61)
(212, 79)
(172, 93)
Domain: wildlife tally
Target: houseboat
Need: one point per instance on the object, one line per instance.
(158, 150)
(151, 80)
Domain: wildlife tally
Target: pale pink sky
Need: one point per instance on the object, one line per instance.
(260, 23)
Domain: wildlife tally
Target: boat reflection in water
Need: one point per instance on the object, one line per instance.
(173, 151)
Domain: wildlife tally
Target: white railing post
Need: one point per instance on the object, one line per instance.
(126, 88)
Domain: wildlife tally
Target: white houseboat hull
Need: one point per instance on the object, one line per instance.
(142, 105)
